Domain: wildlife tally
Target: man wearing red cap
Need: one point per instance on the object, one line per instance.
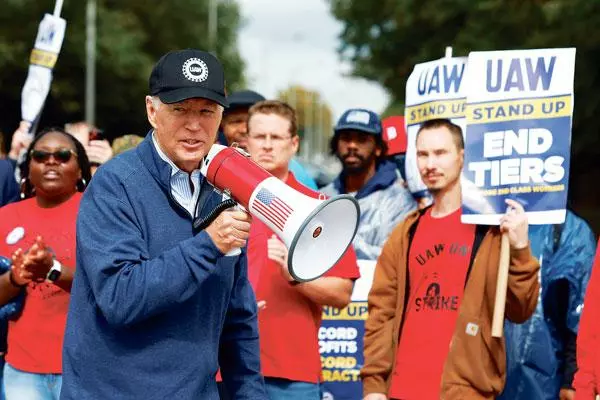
(394, 134)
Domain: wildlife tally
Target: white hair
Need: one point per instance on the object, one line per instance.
(156, 102)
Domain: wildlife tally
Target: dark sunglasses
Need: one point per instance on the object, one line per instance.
(61, 155)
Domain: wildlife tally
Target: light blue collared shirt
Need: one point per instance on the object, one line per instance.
(180, 182)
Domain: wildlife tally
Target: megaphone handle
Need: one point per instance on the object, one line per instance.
(226, 197)
(203, 223)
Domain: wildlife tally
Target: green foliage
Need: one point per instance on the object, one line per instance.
(393, 108)
(385, 42)
(311, 109)
(315, 118)
(131, 36)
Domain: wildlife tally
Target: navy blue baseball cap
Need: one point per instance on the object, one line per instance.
(186, 74)
(243, 99)
(359, 119)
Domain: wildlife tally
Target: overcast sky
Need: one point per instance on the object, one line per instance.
(294, 42)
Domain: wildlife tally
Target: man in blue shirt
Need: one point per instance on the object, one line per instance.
(156, 306)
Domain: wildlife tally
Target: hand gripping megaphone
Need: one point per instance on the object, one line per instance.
(317, 232)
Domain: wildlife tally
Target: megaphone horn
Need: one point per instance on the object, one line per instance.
(317, 232)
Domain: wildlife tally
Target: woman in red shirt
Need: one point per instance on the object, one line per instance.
(38, 234)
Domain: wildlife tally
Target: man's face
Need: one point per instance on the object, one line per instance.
(270, 143)
(235, 127)
(358, 151)
(186, 130)
(438, 158)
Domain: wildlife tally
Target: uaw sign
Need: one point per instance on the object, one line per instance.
(341, 341)
(519, 117)
(434, 90)
(48, 43)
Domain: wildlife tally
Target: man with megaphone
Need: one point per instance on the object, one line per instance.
(155, 307)
(291, 318)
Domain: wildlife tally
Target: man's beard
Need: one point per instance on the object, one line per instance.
(357, 168)
(437, 189)
(434, 190)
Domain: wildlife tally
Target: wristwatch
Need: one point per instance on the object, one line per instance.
(55, 271)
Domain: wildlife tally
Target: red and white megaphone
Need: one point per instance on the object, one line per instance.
(317, 232)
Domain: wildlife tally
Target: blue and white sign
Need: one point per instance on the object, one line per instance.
(341, 341)
(518, 135)
(434, 90)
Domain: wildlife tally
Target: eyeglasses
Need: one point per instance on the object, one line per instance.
(262, 138)
(60, 155)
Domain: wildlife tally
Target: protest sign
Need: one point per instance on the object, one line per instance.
(518, 135)
(434, 90)
(341, 341)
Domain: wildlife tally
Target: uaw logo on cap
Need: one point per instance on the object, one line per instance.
(195, 70)
(361, 117)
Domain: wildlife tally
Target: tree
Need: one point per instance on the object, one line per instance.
(394, 108)
(384, 43)
(132, 35)
(315, 119)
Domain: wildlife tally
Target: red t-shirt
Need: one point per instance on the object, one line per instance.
(35, 339)
(437, 266)
(288, 326)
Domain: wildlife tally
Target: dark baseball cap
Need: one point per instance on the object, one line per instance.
(186, 74)
(244, 99)
(359, 119)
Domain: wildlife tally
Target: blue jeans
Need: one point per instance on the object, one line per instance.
(284, 389)
(20, 385)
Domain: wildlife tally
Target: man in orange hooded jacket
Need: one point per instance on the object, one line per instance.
(428, 334)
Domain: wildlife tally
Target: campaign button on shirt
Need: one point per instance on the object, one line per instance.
(15, 235)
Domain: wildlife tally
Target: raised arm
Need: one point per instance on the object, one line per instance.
(523, 283)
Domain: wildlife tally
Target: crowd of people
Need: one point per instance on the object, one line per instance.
(111, 289)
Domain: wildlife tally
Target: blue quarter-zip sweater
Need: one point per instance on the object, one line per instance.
(154, 308)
